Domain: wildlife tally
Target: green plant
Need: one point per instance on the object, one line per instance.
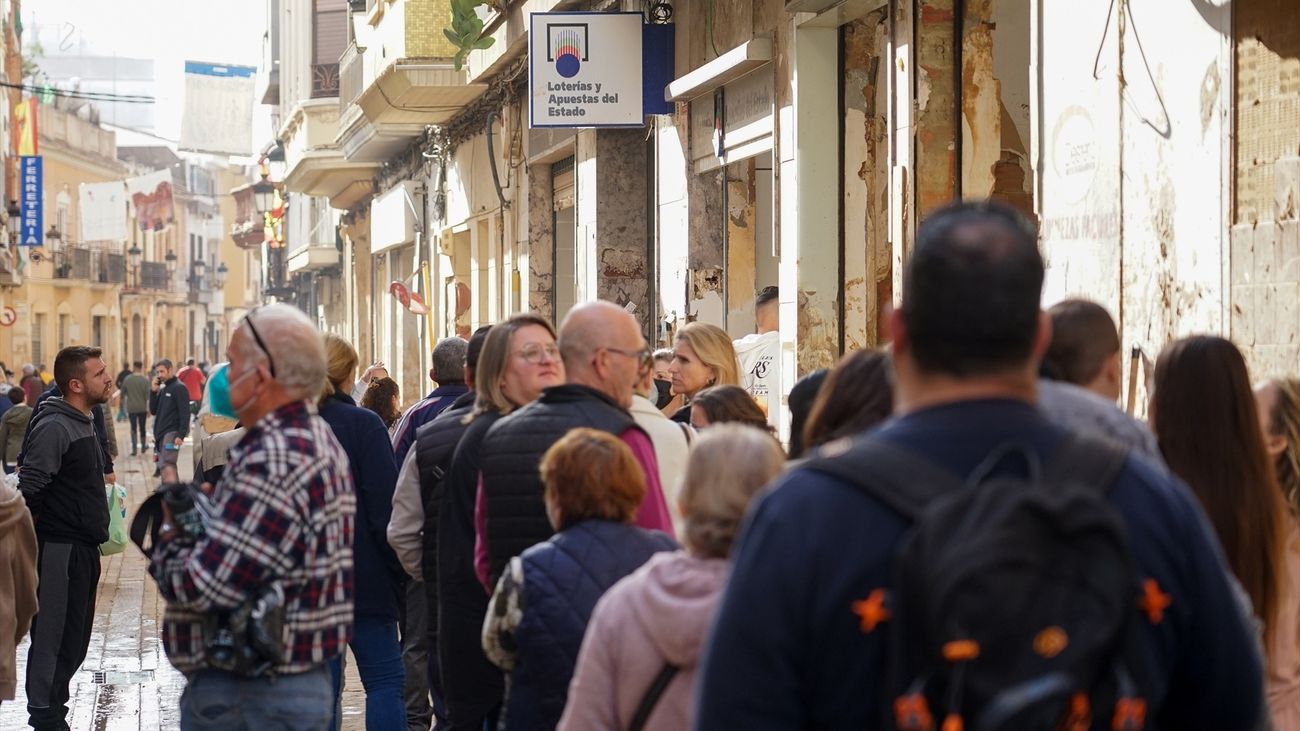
(466, 31)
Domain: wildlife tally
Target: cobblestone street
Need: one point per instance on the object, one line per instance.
(126, 681)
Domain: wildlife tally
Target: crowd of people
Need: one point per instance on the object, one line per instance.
(573, 531)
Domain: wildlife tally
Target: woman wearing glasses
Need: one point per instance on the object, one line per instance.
(520, 358)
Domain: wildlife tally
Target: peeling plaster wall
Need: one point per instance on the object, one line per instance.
(1133, 175)
(742, 238)
(541, 251)
(621, 227)
(868, 278)
(936, 124)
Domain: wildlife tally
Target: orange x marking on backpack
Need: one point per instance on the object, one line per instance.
(1154, 602)
(872, 610)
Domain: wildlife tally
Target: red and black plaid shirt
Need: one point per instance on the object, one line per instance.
(283, 511)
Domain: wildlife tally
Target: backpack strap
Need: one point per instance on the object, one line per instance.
(652, 696)
(896, 476)
(1086, 461)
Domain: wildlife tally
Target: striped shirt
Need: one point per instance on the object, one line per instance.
(283, 511)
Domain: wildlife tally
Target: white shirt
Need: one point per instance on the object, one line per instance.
(670, 440)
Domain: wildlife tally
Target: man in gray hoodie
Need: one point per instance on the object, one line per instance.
(62, 479)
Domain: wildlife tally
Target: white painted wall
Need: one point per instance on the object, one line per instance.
(1134, 177)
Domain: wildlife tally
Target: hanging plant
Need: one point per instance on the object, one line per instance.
(466, 31)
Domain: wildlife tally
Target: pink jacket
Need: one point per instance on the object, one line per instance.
(658, 614)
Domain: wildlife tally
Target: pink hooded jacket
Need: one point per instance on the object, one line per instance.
(658, 614)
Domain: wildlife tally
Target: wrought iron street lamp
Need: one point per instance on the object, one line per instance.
(170, 261)
(264, 195)
(15, 221)
(221, 273)
(200, 268)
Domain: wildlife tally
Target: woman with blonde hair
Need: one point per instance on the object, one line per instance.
(520, 357)
(650, 626)
(703, 356)
(539, 611)
(377, 573)
(1278, 401)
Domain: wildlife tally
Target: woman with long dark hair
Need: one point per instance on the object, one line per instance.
(1207, 425)
(857, 395)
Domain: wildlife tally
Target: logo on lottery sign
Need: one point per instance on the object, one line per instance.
(566, 47)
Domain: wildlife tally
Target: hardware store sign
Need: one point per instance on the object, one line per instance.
(585, 70)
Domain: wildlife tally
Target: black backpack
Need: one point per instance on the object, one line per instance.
(1015, 602)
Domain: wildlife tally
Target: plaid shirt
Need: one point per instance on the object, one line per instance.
(283, 511)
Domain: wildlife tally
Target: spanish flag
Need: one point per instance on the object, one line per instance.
(25, 128)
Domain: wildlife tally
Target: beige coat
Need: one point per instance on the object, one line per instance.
(1284, 655)
(17, 583)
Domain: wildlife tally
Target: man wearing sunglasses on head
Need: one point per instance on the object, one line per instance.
(281, 520)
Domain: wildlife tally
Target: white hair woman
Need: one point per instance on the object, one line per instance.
(651, 625)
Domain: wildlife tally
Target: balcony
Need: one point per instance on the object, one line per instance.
(153, 275)
(85, 264)
(399, 80)
(324, 80)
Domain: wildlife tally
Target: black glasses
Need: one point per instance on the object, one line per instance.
(644, 356)
(270, 364)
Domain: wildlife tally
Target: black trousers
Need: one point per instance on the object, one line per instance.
(139, 437)
(69, 576)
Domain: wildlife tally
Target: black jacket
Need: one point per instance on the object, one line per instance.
(435, 444)
(374, 476)
(62, 477)
(474, 686)
(96, 417)
(170, 406)
(512, 451)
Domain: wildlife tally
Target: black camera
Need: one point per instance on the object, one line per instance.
(190, 508)
(248, 641)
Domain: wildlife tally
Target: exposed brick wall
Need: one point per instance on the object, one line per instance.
(1267, 100)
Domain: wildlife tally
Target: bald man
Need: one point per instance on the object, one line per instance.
(604, 357)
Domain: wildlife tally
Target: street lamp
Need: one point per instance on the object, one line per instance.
(170, 261)
(222, 272)
(133, 256)
(200, 268)
(53, 235)
(264, 195)
(15, 221)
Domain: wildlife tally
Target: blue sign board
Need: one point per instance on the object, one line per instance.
(30, 186)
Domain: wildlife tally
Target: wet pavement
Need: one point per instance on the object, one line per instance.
(126, 681)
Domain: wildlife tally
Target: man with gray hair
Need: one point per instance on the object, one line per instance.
(281, 524)
(448, 374)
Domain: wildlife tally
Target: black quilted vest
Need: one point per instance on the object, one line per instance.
(512, 451)
(435, 443)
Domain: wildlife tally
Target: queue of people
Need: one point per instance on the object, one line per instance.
(573, 531)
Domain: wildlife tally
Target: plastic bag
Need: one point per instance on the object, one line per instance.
(117, 531)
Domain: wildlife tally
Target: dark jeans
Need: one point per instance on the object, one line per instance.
(415, 658)
(218, 701)
(139, 437)
(69, 576)
(379, 663)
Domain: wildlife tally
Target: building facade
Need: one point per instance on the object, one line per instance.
(806, 140)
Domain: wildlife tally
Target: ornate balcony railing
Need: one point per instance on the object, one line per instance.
(324, 80)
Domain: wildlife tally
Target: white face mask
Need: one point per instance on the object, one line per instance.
(239, 408)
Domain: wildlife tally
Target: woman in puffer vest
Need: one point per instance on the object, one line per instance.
(647, 632)
(539, 612)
